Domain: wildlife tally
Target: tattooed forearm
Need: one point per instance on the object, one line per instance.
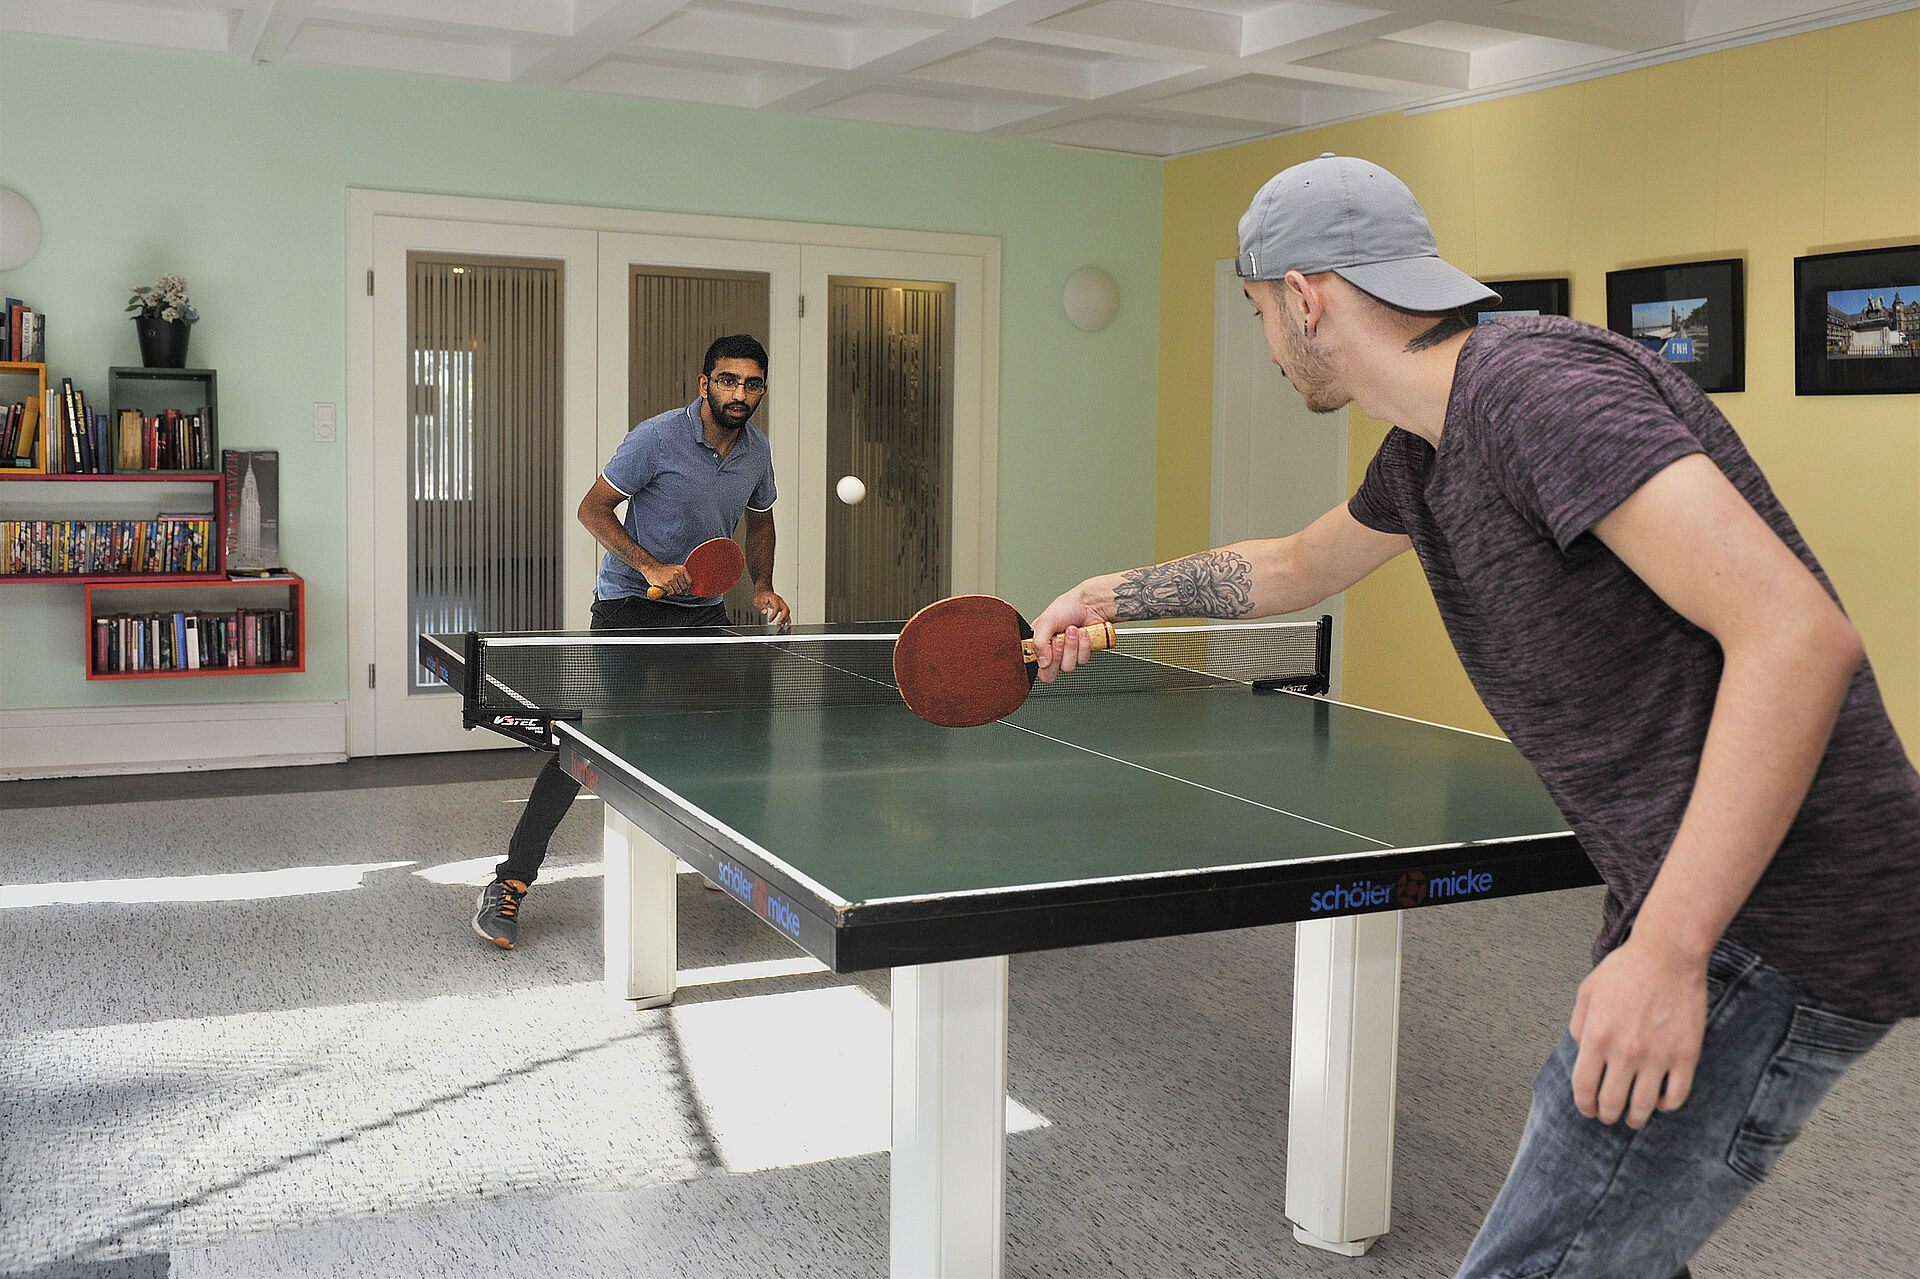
(1210, 584)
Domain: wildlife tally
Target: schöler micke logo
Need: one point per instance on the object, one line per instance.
(1414, 888)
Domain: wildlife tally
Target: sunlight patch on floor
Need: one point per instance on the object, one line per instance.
(294, 881)
(291, 1118)
(475, 872)
(765, 970)
(798, 1078)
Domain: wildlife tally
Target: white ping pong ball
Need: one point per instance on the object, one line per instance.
(850, 489)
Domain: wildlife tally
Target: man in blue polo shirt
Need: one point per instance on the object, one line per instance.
(685, 476)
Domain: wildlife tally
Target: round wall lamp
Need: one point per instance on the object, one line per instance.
(1091, 298)
(19, 229)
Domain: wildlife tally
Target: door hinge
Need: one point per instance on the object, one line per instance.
(803, 306)
(369, 674)
(369, 281)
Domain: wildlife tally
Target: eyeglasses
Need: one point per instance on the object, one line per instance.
(731, 381)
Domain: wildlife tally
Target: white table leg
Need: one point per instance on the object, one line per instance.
(639, 938)
(949, 1119)
(1346, 1037)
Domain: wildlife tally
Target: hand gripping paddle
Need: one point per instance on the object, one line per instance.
(969, 660)
(713, 567)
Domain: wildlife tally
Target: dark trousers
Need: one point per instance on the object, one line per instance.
(553, 790)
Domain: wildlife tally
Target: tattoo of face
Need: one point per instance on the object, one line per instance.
(1210, 584)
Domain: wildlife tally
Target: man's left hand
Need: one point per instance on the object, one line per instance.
(772, 607)
(1639, 1019)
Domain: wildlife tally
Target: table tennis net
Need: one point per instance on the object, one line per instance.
(722, 670)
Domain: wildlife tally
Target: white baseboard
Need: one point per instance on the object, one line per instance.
(85, 741)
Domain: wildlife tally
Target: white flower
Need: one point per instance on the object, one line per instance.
(166, 299)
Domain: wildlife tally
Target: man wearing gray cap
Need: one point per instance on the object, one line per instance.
(1644, 621)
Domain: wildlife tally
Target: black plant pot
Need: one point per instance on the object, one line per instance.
(163, 343)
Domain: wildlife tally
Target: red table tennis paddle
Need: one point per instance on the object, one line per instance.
(713, 567)
(969, 660)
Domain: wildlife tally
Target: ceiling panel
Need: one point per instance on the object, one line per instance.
(1146, 77)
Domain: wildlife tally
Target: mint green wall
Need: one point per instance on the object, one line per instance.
(234, 176)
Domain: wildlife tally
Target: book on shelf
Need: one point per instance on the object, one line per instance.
(27, 454)
(24, 340)
(128, 437)
(22, 431)
(188, 641)
(171, 440)
(69, 426)
(253, 511)
(105, 548)
(23, 333)
(79, 447)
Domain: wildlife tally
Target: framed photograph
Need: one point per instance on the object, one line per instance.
(1692, 314)
(1524, 298)
(1856, 322)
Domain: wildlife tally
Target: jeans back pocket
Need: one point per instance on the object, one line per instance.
(1819, 1046)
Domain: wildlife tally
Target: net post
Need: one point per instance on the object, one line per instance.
(1323, 654)
(1317, 682)
(470, 681)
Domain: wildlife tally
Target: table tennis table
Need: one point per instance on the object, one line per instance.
(1137, 798)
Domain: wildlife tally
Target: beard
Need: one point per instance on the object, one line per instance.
(1307, 369)
(729, 413)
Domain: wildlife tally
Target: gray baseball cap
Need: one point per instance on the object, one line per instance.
(1353, 218)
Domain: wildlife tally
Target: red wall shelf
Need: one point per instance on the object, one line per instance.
(292, 584)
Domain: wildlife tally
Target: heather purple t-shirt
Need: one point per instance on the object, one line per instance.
(1607, 692)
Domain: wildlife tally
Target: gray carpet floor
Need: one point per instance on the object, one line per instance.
(250, 1034)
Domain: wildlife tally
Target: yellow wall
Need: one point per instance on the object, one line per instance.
(1805, 144)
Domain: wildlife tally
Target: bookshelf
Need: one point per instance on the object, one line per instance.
(25, 384)
(146, 535)
(168, 628)
(112, 528)
(179, 415)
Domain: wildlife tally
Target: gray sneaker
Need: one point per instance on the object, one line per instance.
(498, 918)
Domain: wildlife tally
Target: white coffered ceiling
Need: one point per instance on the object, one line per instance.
(1148, 77)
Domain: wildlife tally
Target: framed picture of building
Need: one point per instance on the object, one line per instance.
(1856, 322)
(1691, 314)
(1522, 298)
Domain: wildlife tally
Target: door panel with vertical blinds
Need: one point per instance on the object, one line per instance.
(890, 425)
(673, 316)
(663, 299)
(484, 437)
(483, 405)
(900, 347)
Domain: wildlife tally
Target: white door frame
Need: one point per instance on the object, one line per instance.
(970, 497)
(1277, 465)
(424, 723)
(975, 526)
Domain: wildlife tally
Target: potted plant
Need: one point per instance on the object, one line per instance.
(163, 318)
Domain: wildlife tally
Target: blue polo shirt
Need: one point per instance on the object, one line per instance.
(680, 492)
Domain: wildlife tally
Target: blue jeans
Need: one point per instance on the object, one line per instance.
(1586, 1200)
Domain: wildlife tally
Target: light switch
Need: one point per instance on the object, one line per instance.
(323, 423)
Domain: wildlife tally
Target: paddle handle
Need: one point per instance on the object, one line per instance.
(1101, 633)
